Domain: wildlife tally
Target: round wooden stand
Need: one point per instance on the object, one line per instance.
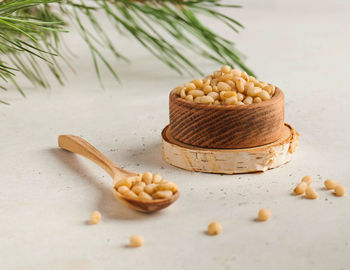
(230, 161)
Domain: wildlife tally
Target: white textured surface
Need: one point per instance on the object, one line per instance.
(46, 195)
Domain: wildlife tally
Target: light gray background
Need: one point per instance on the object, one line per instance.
(47, 195)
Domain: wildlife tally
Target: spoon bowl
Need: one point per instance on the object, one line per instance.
(80, 146)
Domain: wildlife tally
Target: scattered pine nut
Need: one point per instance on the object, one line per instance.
(310, 193)
(340, 190)
(307, 179)
(136, 240)
(264, 214)
(214, 228)
(95, 217)
(300, 188)
(330, 184)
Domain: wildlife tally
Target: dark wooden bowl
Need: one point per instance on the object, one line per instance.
(226, 126)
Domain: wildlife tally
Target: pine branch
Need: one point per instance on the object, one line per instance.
(28, 34)
(165, 28)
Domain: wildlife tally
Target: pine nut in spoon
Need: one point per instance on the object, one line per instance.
(123, 179)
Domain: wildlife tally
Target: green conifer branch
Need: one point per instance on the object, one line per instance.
(30, 34)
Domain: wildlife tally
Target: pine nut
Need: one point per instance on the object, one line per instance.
(95, 217)
(206, 100)
(226, 77)
(198, 83)
(167, 185)
(264, 95)
(217, 74)
(130, 194)
(124, 182)
(237, 72)
(231, 101)
(253, 91)
(178, 89)
(330, 184)
(340, 190)
(196, 93)
(138, 188)
(123, 189)
(251, 79)
(307, 179)
(214, 95)
(147, 177)
(300, 188)
(197, 99)
(207, 89)
(223, 86)
(248, 100)
(214, 228)
(189, 97)
(226, 69)
(145, 196)
(240, 85)
(310, 193)
(150, 188)
(190, 86)
(136, 241)
(248, 86)
(264, 214)
(183, 93)
(231, 83)
(156, 178)
(240, 97)
(214, 82)
(163, 194)
(258, 84)
(244, 75)
(257, 100)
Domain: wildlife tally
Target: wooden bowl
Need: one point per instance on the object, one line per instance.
(226, 126)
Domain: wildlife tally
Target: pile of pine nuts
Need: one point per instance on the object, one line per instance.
(227, 87)
(305, 187)
(146, 186)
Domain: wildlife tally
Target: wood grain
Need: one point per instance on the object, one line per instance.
(226, 126)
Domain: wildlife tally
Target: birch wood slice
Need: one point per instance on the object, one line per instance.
(230, 161)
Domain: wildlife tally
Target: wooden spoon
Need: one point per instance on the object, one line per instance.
(79, 146)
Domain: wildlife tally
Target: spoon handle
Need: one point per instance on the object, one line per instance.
(80, 146)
